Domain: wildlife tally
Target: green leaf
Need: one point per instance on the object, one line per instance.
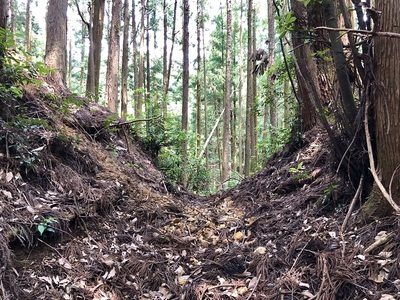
(41, 228)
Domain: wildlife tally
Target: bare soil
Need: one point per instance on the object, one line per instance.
(85, 214)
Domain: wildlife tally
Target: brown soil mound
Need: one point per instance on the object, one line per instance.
(84, 214)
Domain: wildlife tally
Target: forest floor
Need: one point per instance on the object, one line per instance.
(85, 214)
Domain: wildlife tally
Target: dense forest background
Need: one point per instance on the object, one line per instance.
(214, 89)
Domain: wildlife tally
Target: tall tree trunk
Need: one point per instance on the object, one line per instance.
(240, 97)
(271, 79)
(386, 107)
(135, 59)
(56, 40)
(207, 152)
(249, 91)
(165, 59)
(13, 21)
(3, 13)
(83, 48)
(167, 71)
(198, 83)
(90, 86)
(124, 67)
(227, 96)
(140, 87)
(185, 90)
(253, 105)
(113, 57)
(148, 105)
(70, 63)
(303, 52)
(28, 27)
(340, 64)
(97, 36)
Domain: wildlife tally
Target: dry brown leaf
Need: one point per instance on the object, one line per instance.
(238, 236)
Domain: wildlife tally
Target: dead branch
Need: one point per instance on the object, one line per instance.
(353, 202)
(366, 32)
(134, 121)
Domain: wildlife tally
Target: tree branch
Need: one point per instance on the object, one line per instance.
(366, 32)
(134, 121)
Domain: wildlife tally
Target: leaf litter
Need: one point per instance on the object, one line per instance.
(121, 234)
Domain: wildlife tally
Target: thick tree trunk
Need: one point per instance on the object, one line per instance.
(339, 59)
(113, 57)
(56, 40)
(3, 13)
(386, 107)
(97, 36)
(303, 52)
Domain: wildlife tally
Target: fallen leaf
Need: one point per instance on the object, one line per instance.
(260, 250)
(183, 279)
(238, 236)
(9, 176)
(387, 297)
(242, 290)
(7, 194)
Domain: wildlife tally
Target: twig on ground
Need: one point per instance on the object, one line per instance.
(255, 287)
(353, 202)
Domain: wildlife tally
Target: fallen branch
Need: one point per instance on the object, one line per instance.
(210, 135)
(367, 32)
(353, 202)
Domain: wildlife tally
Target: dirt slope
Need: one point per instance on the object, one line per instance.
(84, 214)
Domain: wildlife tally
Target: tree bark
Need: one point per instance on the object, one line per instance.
(207, 154)
(140, 86)
(135, 59)
(249, 91)
(271, 79)
(28, 27)
(3, 13)
(303, 52)
(339, 58)
(198, 83)
(240, 94)
(167, 75)
(124, 67)
(113, 57)
(56, 40)
(185, 90)
(386, 110)
(227, 96)
(13, 21)
(97, 37)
